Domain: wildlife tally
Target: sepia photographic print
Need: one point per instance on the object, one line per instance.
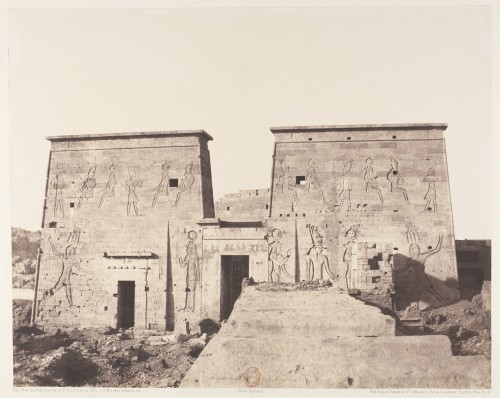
(274, 198)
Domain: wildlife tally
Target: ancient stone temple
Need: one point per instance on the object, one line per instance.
(130, 236)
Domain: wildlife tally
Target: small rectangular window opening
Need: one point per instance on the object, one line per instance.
(309, 139)
(267, 207)
(173, 182)
(228, 208)
(52, 224)
(300, 180)
(71, 204)
(348, 138)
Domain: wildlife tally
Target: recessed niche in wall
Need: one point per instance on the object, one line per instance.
(173, 182)
(300, 180)
(52, 224)
(72, 204)
(309, 139)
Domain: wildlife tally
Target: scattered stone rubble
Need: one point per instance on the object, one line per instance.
(104, 357)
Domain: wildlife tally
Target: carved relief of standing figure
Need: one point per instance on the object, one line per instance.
(345, 186)
(191, 264)
(132, 196)
(109, 189)
(312, 179)
(59, 184)
(371, 179)
(186, 183)
(396, 180)
(68, 261)
(88, 186)
(351, 235)
(292, 187)
(164, 184)
(316, 262)
(281, 175)
(430, 196)
(278, 261)
(409, 289)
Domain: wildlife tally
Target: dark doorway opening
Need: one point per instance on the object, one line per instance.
(234, 269)
(126, 304)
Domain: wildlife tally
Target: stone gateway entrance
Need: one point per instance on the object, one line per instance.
(233, 270)
(126, 304)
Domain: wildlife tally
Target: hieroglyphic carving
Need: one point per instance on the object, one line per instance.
(191, 263)
(411, 280)
(68, 262)
(276, 257)
(88, 186)
(109, 189)
(396, 179)
(351, 234)
(59, 185)
(163, 186)
(132, 199)
(281, 175)
(316, 262)
(312, 180)
(371, 179)
(186, 183)
(345, 186)
(430, 197)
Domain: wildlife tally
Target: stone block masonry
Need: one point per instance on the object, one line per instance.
(109, 201)
(130, 236)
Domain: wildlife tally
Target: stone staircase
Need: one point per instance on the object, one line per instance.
(326, 339)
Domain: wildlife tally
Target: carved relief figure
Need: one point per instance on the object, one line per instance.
(68, 261)
(281, 175)
(396, 180)
(191, 263)
(345, 186)
(132, 199)
(430, 196)
(291, 186)
(109, 189)
(88, 186)
(162, 188)
(312, 180)
(371, 179)
(277, 259)
(411, 280)
(316, 262)
(351, 235)
(186, 183)
(59, 184)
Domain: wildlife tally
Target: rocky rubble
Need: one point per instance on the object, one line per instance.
(103, 357)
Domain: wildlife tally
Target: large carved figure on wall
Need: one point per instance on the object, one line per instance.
(68, 262)
(312, 180)
(345, 186)
(411, 280)
(59, 185)
(109, 189)
(281, 176)
(163, 186)
(276, 258)
(87, 188)
(371, 180)
(186, 183)
(430, 196)
(132, 199)
(396, 179)
(351, 234)
(190, 263)
(292, 186)
(317, 264)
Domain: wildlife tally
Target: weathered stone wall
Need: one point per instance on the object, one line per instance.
(370, 184)
(244, 205)
(108, 207)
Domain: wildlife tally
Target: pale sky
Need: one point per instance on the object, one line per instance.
(237, 72)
